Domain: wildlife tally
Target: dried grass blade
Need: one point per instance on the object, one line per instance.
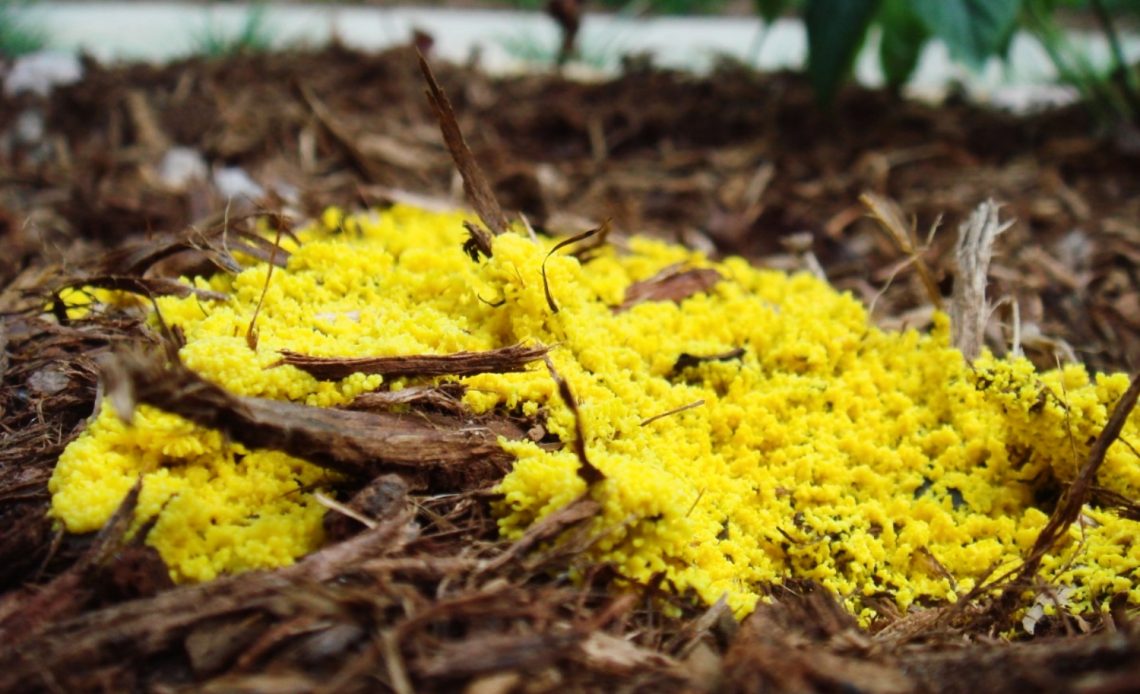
(586, 470)
(558, 246)
(889, 217)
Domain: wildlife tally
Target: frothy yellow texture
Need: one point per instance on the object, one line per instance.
(880, 464)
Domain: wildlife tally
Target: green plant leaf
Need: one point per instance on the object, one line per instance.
(904, 35)
(835, 29)
(972, 29)
(769, 10)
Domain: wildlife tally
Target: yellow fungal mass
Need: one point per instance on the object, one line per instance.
(877, 463)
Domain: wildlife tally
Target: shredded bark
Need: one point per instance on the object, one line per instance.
(569, 516)
(222, 237)
(380, 499)
(685, 158)
(512, 359)
(446, 453)
(23, 614)
(969, 310)
(154, 625)
(445, 397)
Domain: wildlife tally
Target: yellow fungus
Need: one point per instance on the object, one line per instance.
(880, 464)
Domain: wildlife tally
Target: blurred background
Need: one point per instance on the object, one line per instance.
(524, 35)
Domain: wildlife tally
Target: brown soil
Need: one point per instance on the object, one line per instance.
(735, 163)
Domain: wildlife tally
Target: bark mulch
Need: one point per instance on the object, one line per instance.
(424, 596)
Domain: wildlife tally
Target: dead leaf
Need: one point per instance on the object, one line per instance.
(671, 284)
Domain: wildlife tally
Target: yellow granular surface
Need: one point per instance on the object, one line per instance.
(877, 463)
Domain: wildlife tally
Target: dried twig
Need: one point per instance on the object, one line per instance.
(675, 410)
(1068, 509)
(251, 333)
(574, 513)
(1066, 512)
(445, 397)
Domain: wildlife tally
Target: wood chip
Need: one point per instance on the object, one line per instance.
(475, 185)
(512, 359)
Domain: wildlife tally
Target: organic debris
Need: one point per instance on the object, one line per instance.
(671, 284)
(429, 599)
(442, 453)
(969, 309)
(510, 359)
(478, 191)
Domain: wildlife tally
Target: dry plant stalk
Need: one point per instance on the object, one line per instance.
(973, 250)
(598, 232)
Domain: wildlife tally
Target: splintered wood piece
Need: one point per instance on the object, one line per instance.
(503, 360)
(671, 284)
(969, 308)
(475, 185)
(446, 452)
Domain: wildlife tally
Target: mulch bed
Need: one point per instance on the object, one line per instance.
(429, 598)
